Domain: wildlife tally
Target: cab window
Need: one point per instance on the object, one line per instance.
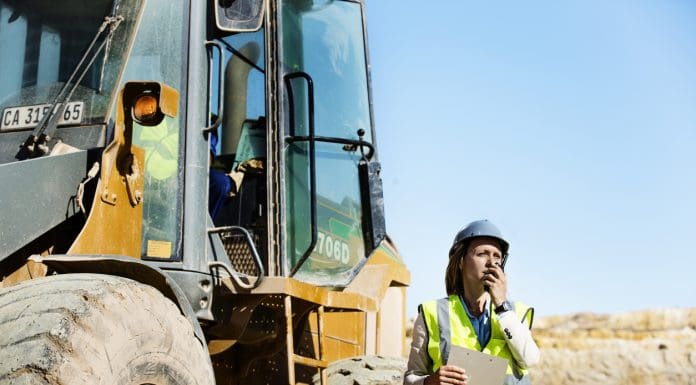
(324, 72)
(237, 175)
(155, 58)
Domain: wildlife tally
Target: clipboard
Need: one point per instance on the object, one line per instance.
(481, 368)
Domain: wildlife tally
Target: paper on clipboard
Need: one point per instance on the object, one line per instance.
(481, 368)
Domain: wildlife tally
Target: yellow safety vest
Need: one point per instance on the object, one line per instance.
(161, 145)
(448, 324)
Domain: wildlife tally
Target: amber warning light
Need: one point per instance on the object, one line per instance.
(146, 110)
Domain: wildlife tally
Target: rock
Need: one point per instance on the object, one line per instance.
(655, 347)
(366, 370)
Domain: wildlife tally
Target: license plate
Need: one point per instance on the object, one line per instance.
(16, 118)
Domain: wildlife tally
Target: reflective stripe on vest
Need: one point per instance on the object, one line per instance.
(448, 324)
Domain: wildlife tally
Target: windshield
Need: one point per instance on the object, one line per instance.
(41, 44)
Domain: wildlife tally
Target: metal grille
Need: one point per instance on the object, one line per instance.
(267, 371)
(239, 252)
(267, 319)
(268, 316)
(306, 346)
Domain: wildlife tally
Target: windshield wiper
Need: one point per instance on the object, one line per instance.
(37, 143)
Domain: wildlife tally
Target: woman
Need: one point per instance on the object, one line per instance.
(476, 314)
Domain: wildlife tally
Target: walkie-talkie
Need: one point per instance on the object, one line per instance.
(502, 267)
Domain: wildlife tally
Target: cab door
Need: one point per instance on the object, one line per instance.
(323, 81)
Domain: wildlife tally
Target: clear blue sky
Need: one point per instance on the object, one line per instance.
(571, 125)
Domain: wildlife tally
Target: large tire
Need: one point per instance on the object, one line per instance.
(366, 370)
(96, 330)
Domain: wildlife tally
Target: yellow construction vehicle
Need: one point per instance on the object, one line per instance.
(190, 194)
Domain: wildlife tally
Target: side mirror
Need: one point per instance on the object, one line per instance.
(239, 15)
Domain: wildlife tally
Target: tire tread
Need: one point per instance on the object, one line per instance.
(80, 328)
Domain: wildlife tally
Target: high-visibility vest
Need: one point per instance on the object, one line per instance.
(161, 145)
(448, 324)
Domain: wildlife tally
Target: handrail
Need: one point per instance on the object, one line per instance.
(312, 167)
(230, 270)
(221, 89)
(333, 139)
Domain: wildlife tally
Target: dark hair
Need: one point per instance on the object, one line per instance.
(454, 284)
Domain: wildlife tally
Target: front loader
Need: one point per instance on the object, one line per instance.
(190, 194)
